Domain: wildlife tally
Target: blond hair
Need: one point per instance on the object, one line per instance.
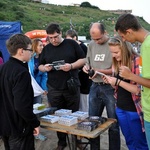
(127, 53)
(35, 44)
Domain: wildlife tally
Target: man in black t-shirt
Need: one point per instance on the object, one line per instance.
(71, 56)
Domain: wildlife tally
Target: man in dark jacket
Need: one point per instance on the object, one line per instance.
(18, 122)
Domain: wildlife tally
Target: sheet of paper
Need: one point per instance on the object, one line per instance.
(100, 73)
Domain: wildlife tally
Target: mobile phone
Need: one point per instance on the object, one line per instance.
(58, 67)
(57, 63)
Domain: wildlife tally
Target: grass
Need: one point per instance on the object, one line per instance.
(37, 16)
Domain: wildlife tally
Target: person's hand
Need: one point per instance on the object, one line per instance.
(47, 67)
(109, 80)
(45, 93)
(112, 80)
(105, 79)
(36, 131)
(85, 68)
(124, 72)
(66, 67)
(94, 74)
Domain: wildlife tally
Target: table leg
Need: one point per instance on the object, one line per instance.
(93, 142)
(74, 142)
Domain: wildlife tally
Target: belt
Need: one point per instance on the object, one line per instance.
(100, 83)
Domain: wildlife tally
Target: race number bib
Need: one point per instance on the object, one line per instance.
(99, 57)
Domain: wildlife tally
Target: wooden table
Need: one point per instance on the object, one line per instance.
(76, 132)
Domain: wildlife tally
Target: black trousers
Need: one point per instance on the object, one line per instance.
(62, 99)
(19, 143)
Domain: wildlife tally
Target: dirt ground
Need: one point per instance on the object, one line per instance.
(51, 142)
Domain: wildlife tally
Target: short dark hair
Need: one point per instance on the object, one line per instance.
(17, 41)
(71, 33)
(127, 21)
(52, 28)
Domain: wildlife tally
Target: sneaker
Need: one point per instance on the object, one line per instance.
(40, 137)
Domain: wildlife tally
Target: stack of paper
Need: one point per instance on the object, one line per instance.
(50, 118)
(80, 114)
(68, 120)
(44, 112)
(63, 112)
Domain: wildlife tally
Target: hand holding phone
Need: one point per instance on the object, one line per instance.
(91, 72)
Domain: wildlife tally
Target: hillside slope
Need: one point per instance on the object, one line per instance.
(38, 16)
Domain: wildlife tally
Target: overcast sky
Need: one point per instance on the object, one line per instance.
(139, 7)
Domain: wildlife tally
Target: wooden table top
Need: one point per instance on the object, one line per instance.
(74, 131)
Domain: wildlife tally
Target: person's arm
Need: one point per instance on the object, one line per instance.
(86, 68)
(129, 87)
(45, 68)
(79, 63)
(126, 73)
(140, 80)
(117, 82)
(41, 68)
(105, 71)
(75, 65)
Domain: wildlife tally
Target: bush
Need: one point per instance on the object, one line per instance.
(2, 5)
(2, 16)
(14, 8)
(19, 15)
(85, 4)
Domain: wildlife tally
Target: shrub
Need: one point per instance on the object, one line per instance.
(19, 15)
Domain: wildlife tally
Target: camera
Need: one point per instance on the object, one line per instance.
(91, 72)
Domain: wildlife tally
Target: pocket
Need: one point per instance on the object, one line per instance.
(27, 131)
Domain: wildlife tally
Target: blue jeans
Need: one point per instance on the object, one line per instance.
(147, 131)
(101, 96)
(132, 129)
